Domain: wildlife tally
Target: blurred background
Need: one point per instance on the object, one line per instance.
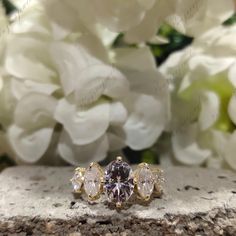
(176, 41)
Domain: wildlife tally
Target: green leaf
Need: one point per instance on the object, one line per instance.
(177, 41)
(219, 84)
(149, 157)
(8, 6)
(231, 20)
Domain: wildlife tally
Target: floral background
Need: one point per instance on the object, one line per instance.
(84, 81)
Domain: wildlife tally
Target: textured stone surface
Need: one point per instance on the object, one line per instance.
(38, 200)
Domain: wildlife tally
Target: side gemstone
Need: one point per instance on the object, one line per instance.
(145, 180)
(92, 181)
(159, 179)
(77, 180)
(119, 183)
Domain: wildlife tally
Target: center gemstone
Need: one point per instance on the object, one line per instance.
(118, 184)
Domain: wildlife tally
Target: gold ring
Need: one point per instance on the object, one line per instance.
(118, 181)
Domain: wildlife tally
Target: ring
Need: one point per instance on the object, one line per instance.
(118, 181)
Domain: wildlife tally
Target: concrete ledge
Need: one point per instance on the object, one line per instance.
(38, 200)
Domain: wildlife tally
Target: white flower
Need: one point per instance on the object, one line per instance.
(75, 98)
(204, 100)
(194, 17)
(141, 19)
(4, 29)
(23, 4)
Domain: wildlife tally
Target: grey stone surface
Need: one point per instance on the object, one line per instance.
(38, 200)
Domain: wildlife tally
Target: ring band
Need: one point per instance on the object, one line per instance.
(118, 181)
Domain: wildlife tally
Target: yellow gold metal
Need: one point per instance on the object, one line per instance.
(158, 189)
(102, 180)
(158, 179)
(146, 199)
(92, 164)
(118, 204)
(80, 170)
(119, 158)
(144, 164)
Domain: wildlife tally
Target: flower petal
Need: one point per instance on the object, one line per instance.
(28, 58)
(138, 64)
(30, 19)
(69, 59)
(186, 148)
(118, 113)
(210, 64)
(147, 4)
(231, 75)
(219, 141)
(29, 146)
(230, 150)
(84, 124)
(215, 162)
(154, 85)
(116, 137)
(34, 111)
(64, 14)
(86, 75)
(118, 16)
(22, 87)
(210, 109)
(82, 154)
(7, 103)
(145, 123)
(177, 22)
(100, 79)
(151, 22)
(220, 10)
(134, 58)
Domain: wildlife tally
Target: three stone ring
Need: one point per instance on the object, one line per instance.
(118, 181)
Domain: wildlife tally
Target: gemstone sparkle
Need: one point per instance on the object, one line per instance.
(119, 184)
(145, 181)
(92, 181)
(77, 180)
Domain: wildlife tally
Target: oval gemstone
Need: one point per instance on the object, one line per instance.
(77, 181)
(119, 184)
(145, 182)
(92, 181)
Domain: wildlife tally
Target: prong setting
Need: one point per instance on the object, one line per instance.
(119, 158)
(118, 204)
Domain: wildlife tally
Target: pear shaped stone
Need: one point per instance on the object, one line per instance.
(92, 181)
(145, 181)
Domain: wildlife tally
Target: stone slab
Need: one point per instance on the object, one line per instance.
(38, 200)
